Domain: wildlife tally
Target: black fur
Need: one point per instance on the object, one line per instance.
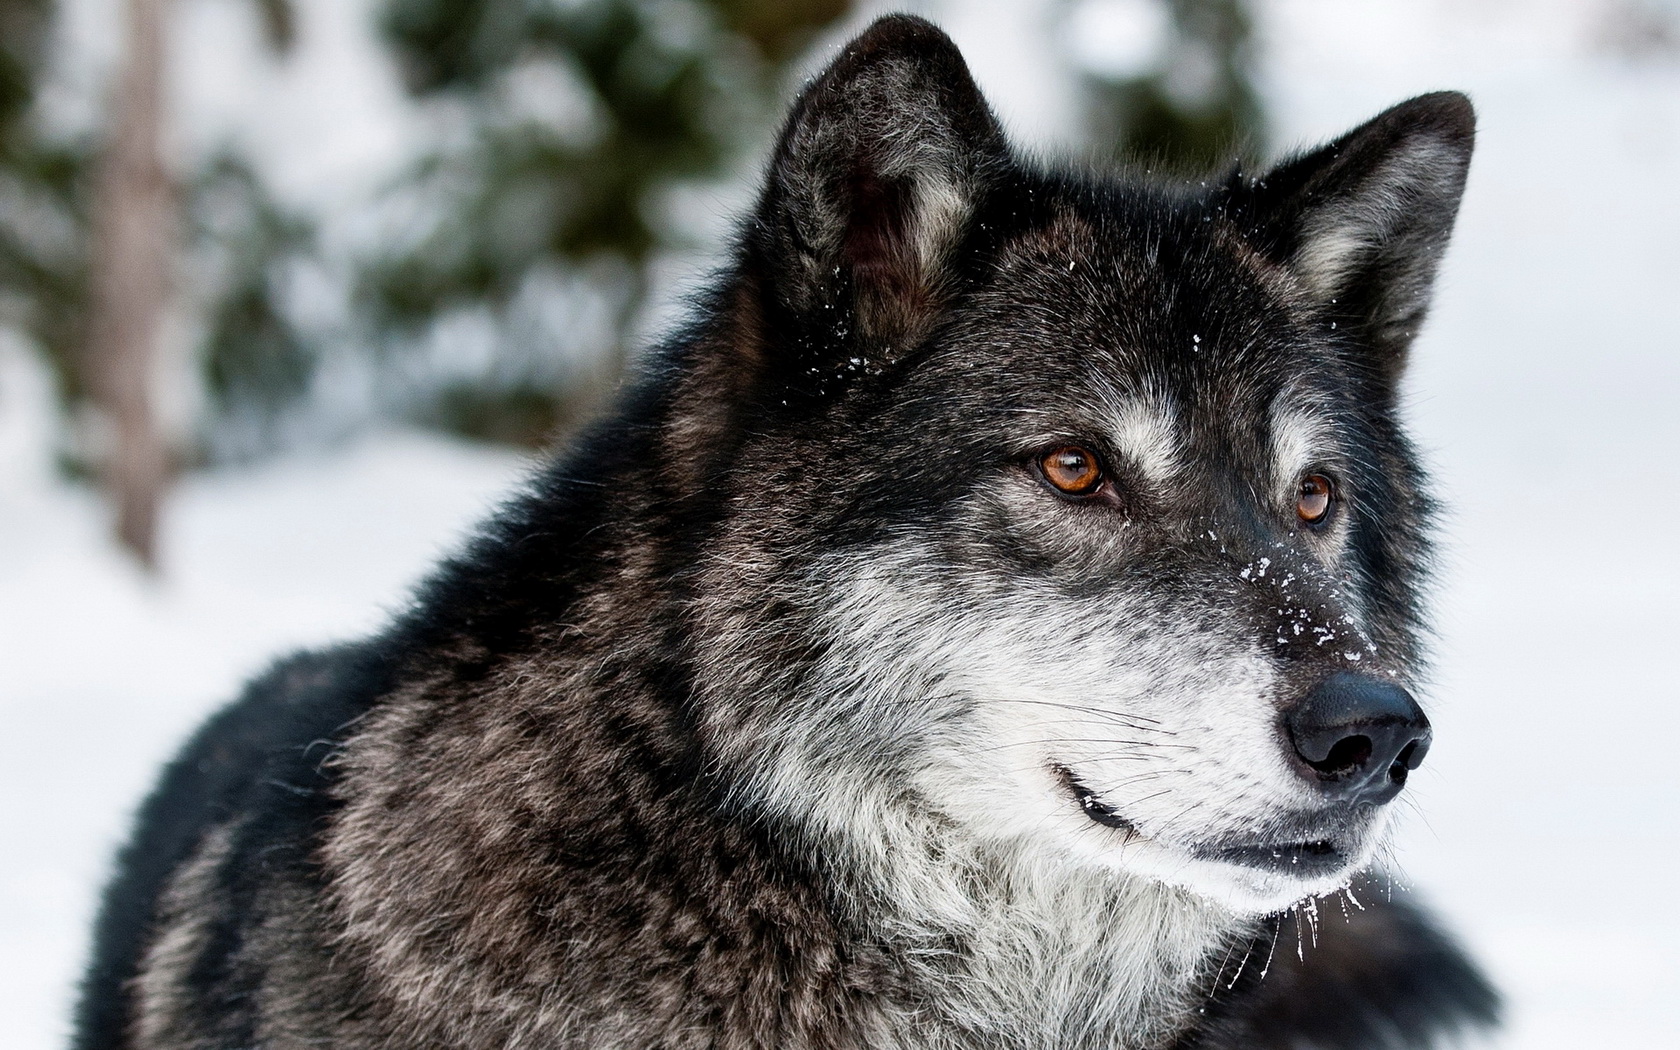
(1378, 973)
(519, 816)
(259, 757)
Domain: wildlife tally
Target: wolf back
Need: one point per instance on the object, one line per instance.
(975, 629)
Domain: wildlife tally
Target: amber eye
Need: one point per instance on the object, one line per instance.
(1072, 470)
(1312, 503)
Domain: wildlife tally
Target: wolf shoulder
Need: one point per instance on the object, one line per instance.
(225, 835)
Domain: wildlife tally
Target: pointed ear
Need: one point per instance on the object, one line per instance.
(1362, 222)
(874, 179)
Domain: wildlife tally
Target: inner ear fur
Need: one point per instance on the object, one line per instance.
(874, 179)
(1362, 222)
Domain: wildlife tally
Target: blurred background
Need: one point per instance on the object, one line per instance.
(292, 291)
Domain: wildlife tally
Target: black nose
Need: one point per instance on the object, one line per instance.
(1360, 735)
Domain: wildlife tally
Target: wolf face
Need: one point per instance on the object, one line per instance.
(1077, 509)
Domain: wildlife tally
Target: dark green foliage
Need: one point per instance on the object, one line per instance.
(256, 359)
(658, 93)
(779, 29)
(239, 243)
(43, 256)
(279, 24)
(22, 25)
(633, 97)
(43, 206)
(1198, 108)
(516, 412)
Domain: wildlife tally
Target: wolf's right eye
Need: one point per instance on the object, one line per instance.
(1313, 500)
(1071, 470)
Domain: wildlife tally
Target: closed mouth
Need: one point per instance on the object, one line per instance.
(1306, 858)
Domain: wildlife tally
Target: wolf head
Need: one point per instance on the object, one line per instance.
(1066, 512)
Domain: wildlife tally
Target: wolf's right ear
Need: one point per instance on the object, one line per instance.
(873, 182)
(1363, 221)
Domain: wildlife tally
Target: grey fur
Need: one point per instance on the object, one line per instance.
(781, 712)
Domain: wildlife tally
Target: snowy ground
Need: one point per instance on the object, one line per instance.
(1545, 391)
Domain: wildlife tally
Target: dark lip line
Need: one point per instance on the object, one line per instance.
(1314, 856)
(1093, 806)
(1317, 857)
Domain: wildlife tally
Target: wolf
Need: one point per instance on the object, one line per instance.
(981, 627)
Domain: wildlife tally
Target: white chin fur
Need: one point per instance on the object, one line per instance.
(1246, 891)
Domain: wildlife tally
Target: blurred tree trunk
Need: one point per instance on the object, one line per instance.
(131, 250)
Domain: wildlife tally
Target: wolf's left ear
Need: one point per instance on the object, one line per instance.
(874, 180)
(1362, 222)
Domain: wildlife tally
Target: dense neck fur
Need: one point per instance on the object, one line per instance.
(1003, 946)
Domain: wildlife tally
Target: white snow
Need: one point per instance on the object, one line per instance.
(1544, 392)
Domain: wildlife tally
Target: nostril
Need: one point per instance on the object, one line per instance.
(1410, 758)
(1346, 756)
(1359, 737)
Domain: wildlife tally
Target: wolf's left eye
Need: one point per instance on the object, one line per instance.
(1071, 470)
(1312, 501)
